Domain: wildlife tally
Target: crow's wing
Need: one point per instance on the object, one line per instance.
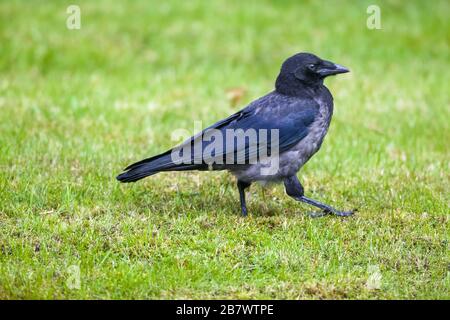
(291, 120)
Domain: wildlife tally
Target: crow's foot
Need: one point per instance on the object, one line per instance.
(334, 212)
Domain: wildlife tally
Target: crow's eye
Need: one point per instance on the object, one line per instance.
(311, 66)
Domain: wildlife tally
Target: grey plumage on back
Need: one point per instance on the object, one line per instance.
(297, 113)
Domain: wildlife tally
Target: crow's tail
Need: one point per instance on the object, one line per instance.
(135, 174)
(146, 167)
(153, 165)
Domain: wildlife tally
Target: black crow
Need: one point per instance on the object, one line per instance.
(268, 141)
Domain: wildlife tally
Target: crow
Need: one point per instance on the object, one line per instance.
(267, 141)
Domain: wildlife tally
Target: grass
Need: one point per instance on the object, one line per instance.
(76, 106)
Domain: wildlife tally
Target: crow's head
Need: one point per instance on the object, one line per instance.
(305, 69)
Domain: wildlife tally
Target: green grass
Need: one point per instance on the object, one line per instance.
(77, 106)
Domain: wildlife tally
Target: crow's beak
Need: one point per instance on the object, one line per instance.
(340, 69)
(330, 68)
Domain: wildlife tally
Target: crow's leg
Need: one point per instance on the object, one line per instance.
(242, 186)
(295, 190)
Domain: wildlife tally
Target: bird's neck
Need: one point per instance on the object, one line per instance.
(291, 86)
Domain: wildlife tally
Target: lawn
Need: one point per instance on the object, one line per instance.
(77, 106)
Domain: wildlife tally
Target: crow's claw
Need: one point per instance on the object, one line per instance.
(318, 214)
(334, 212)
(343, 213)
